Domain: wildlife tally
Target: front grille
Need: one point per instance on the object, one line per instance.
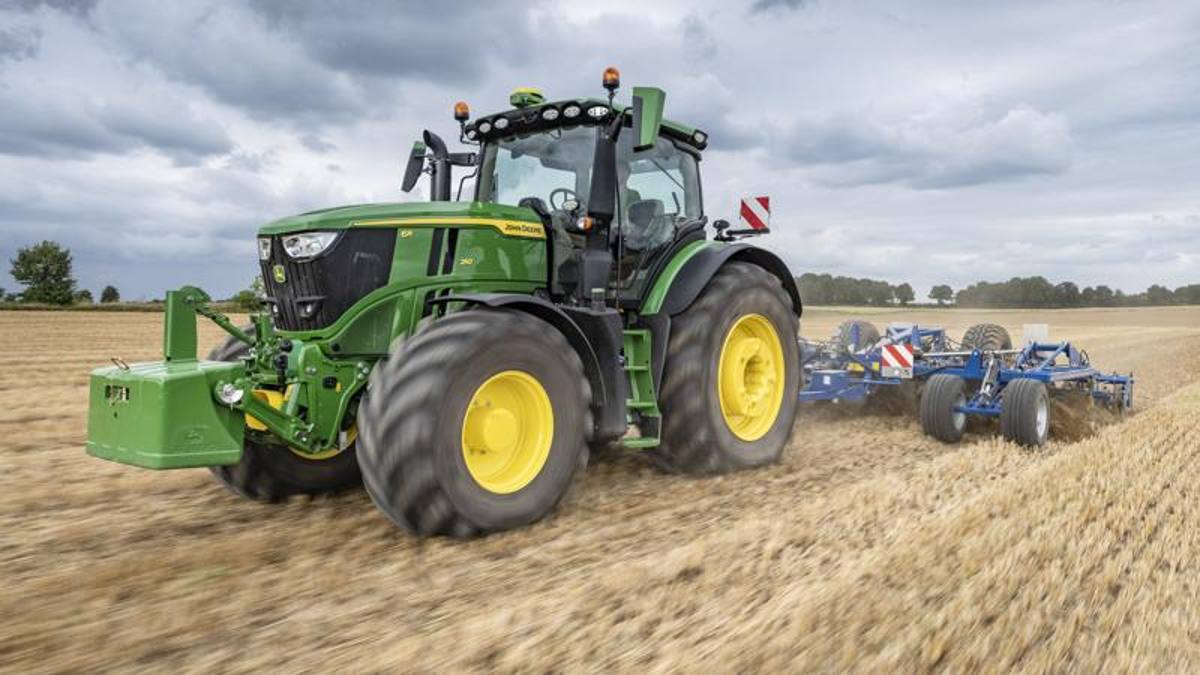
(315, 292)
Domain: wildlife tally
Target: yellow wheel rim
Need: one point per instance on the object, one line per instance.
(750, 377)
(507, 431)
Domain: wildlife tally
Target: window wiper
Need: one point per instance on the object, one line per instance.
(667, 174)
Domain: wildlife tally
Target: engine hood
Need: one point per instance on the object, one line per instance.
(345, 217)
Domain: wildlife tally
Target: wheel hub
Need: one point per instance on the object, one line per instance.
(750, 377)
(507, 431)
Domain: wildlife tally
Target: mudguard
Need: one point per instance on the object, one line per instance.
(683, 286)
(691, 279)
(601, 366)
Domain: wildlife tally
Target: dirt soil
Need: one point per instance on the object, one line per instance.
(870, 547)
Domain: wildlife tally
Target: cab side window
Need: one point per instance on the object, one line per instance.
(660, 190)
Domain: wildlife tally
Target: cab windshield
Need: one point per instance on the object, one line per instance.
(659, 186)
(554, 166)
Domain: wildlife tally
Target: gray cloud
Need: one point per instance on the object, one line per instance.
(153, 138)
(942, 151)
(233, 55)
(77, 7)
(317, 144)
(765, 5)
(375, 39)
(19, 43)
(58, 124)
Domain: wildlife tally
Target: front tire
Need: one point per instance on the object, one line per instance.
(476, 424)
(272, 473)
(729, 392)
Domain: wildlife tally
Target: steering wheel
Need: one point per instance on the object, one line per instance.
(567, 194)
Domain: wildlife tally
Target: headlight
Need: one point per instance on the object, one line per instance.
(597, 111)
(264, 248)
(485, 127)
(571, 111)
(308, 244)
(502, 123)
(550, 114)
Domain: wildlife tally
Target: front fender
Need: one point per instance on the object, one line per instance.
(553, 315)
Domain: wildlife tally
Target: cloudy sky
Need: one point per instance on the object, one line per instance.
(930, 142)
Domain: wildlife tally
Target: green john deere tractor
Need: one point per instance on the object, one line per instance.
(460, 359)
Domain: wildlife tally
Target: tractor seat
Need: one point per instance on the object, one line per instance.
(647, 226)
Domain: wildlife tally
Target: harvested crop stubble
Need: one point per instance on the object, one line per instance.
(1086, 560)
(869, 546)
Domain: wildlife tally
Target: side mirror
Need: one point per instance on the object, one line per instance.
(721, 225)
(416, 162)
(648, 103)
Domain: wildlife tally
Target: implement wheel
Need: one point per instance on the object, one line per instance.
(868, 334)
(732, 374)
(986, 337)
(271, 473)
(1025, 412)
(939, 419)
(476, 424)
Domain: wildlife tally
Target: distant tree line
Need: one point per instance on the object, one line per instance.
(1038, 292)
(825, 289)
(45, 271)
(1018, 292)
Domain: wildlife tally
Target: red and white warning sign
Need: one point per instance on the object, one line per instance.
(897, 360)
(756, 212)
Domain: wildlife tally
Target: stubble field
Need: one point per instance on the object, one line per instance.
(870, 546)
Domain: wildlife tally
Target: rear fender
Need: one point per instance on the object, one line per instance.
(678, 287)
(685, 285)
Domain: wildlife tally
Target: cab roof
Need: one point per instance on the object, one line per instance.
(568, 113)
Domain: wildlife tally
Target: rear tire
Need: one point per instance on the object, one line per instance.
(745, 305)
(1025, 412)
(986, 337)
(938, 418)
(436, 461)
(868, 334)
(272, 473)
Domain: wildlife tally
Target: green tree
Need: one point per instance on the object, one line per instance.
(83, 297)
(1067, 294)
(1158, 295)
(1188, 295)
(942, 293)
(110, 294)
(45, 271)
(250, 299)
(904, 293)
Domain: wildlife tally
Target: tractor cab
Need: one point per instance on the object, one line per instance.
(543, 156)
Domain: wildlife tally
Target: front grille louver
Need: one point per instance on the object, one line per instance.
(356, 264)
